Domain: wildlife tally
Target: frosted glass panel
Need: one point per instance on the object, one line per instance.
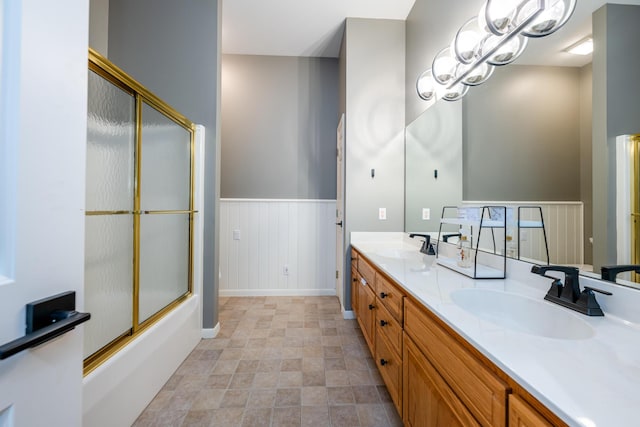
(108, 279)
(164, 261)
(166, 163)
(110, 146)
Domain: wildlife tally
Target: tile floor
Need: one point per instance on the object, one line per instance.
(277, 361)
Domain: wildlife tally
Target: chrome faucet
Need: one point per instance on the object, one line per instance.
(568, 294)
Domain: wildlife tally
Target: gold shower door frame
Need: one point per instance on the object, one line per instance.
(107, 70)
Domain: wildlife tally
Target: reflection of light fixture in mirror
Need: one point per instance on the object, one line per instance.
(498, 16)
(583, 47)
(454, 92)
(426, 86)
(507, 51)
(474, 74)
(467, 41)
(554, 15)
(444, 66)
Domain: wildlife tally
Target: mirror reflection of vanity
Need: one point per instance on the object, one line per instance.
(523, 137)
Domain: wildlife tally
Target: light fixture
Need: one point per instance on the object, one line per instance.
(496, 37)
(583, 47)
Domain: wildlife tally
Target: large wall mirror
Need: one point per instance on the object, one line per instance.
(523, 137)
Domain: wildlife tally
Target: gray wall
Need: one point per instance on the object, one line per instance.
(99, 26)
(521, 133)
(279, 120)
(173, 48)
(616, 111)
(374, 88)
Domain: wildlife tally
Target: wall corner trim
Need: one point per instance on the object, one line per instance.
(209, 333)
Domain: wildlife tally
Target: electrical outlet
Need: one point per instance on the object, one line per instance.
(382, 214)
(236, 234)
(524, 235)
(285, 270)
(426, 213)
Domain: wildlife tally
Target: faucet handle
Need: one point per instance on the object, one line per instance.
(589, 289)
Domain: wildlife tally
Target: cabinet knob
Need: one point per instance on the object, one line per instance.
(383, 362)
(383, 295)
(383, 323)
(371, 306)
(354, 280)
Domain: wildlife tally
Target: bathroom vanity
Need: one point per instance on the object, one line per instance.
(457, 351)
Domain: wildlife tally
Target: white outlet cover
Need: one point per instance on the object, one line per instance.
(382, 213)
(426, 213)
(236, 234)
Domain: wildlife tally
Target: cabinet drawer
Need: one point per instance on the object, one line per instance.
(482, 392)
(390, 367)
(367, 271)
(523, 415)
(389, 327)
(390, 296)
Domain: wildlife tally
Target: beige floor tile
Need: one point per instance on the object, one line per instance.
(344, 416)
(287, 417)
(277, 361)
(257, 417)
(315, 416)
(314, 396)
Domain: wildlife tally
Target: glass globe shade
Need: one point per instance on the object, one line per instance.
(454, 93)
(505, 54)
(476, 75)
(498, 16)
(551, 19)
(426, 86)
(466, 44)
(444, 66)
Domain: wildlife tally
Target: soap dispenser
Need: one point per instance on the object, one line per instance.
(464, 252)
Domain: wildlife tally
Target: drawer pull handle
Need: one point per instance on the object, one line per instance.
(355, 280)
(383, 362)
(383, 295)
(371, 306)
(383, 323)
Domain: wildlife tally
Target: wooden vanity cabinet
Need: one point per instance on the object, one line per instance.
(434, 377)
(521, 414)
(478, 388)
(428, 399)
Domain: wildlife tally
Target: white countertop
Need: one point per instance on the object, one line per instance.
(591, 382)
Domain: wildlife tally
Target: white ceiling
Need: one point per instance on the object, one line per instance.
(297, 27)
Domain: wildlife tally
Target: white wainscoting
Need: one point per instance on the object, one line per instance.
(299, 234)
(564, 223)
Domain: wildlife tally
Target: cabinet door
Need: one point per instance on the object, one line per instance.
(355, 278)
(428, 401)
(367, 314)
(523, 415)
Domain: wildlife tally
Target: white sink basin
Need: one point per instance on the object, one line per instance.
(398, 253)
(523, 314)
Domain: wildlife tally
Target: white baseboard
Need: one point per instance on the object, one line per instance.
(276, 292)
(348, 314)
(211, 332)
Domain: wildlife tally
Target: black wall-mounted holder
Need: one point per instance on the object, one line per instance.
(47, 319)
